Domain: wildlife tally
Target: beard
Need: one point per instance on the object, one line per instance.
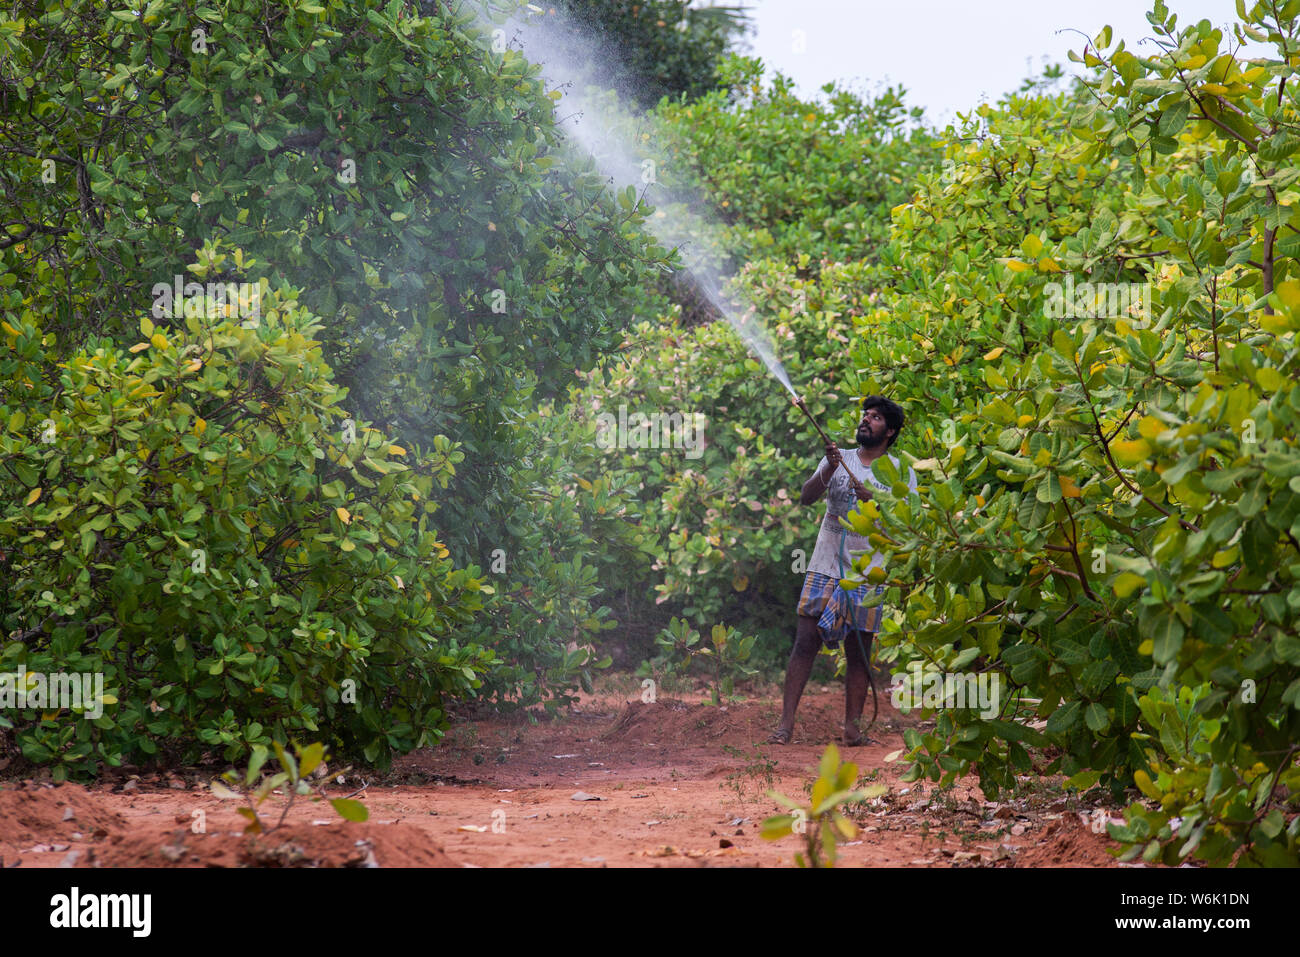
(868, 440)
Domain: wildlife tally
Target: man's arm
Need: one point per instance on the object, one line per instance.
(815, 487)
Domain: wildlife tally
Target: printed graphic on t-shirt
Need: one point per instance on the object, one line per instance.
(840, 497)
(836, 546)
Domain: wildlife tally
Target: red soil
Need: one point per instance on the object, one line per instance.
(679, 784)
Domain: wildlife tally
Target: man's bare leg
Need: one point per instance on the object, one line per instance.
(855, 684)
(807, 642)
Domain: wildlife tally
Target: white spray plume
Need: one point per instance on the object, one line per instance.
(621, 151)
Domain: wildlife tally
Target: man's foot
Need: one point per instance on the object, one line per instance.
(779, 736)
(854, 738)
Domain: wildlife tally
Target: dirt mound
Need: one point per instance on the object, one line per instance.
(676, 721)
(670, 722)
(1067, 843)
(340, 844)
(64, 813)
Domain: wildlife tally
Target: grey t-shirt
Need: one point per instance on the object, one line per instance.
(837, 546)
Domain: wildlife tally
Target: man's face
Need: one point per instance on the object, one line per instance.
(873, 432)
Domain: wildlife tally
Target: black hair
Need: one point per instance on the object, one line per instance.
(892, 412)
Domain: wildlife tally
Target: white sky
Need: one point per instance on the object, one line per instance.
(949, 54)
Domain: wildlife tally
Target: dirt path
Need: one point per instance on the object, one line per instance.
(680, 783)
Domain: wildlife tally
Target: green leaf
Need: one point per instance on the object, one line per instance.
(1083, 780)
(1063, 718)
(287, 761)
(309, 759)
(255, 763)
(1097, 718)
(777, 827)
(224, 793)
(269, 784)
(1173, 119)
(254, 825)
(1167, 636)
(349, 809)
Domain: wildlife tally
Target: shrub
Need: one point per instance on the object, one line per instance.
(195, 518)
(1111, 512)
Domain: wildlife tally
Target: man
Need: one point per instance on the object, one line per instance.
(827, 613)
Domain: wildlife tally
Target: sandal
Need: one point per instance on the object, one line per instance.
(779, 736)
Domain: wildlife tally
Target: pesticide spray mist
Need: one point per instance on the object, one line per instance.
(625, 156)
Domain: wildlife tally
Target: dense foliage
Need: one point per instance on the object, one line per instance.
(1086, 301)
(195, 518)
(1088, 311)
(1111, 517)
(791, 177)
(649, 49)
(402, 174)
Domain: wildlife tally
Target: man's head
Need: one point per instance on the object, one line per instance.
(882, 420)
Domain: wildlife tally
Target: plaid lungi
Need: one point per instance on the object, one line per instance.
(838, 611)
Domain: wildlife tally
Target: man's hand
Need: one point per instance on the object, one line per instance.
(834, 460)
(832, 457)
